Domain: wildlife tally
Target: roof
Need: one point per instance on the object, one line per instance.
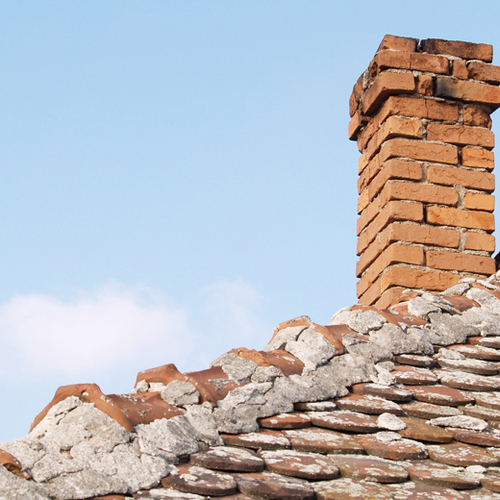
(401, 403)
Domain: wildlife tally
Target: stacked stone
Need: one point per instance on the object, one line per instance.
(421, 118)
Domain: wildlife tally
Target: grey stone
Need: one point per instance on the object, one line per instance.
(365, 321)
(368, 350)
(394, 339)
(448, 354)
(421, 308)
(168, 494)
(487, 300)
(460, 422)
(27, 450)
(156, 387)
(13, 487)
(284, 336)
(458, 289)
(384, 376)
(180, 393)
(341, 317)
(446, 330)
(438, 301)
(236, 368)
(266, 374)
(390, 422)
(485, 322)
(201, 419)
(141, 386)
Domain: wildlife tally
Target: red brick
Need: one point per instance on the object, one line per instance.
(357, 122)
(425, 193)
(460, 69)
(410, 233)
(461, 135)
(357, 92)
(394, 126)
(395, 253)
(393, 42)
(479, 201)
(363, 201)
(390, 297)
(478, 158)
(452, 261)
(362, 164)
(476, 117)
(425, 85)
(452, 176)
(367, 215)
(465, 50)
(386, 84)
(416, 278)
(394, 210)
(471, 219)
(479, 241)
(414, 61)
(418, 150)
(480, 93)
(484, 72)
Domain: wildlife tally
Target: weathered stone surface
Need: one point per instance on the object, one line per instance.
(370, 405)
(323, 441)
(419, 430)
(428, 410)
(227, 458)
(440, 395)
(394, 339)
(13, 487)
(460, 422)
(282, 337)
(344, 421)
(311, 466)
(392, 446)
(390, 422)
(411, 375)
(461, 455)
(448, 330)
(483, 321)
(468, 381)
(491, 481)
(316, 406)
(481, 412)
(198, 480)
(469, 365)
(274, 486)
(476, 438)
(415, 491)
(180, 393)
(477, 352)
(436, 474)
(369, 468)
(416, 360)
(396, 393)
(286, 421)
(264, 440)
(487, 399)
(350, 489)
(421, 308)
(167, 494)
(236, 367)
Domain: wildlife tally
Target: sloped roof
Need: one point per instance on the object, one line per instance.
(401, 403)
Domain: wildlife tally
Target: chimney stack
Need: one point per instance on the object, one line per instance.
(421, 118)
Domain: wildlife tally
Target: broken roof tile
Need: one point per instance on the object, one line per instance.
(368, 404)
(323, 441)
(461, 455)
(348, 421)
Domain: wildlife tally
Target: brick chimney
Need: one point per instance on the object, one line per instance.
(421, 118)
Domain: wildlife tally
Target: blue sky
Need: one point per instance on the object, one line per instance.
(177, 178)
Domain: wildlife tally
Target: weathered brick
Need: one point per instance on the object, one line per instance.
(416, 278)
(425, 85)
(465, 50)
(386, 84)
(451, 176)
(461, 135)
(392, 169)
(478, 158)
(462, 262)
(414, 61)
(478, 201)
(394, 126)
(471, 219)
(369, 172)
(425, 193)
(410, 233)
(371, 295)
(357, 92)
(476, 117)
(390, 297)
(357, 122)
(484, 72)
(392, 42)
(363, 201)
(460, 69)
(395, 210)
(418, 150)
(418, 107)
(480, 93)
(362, 163)
(367, 215)
(396, 253)
(479, 241)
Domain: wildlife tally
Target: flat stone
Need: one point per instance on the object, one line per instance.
(461, 455)
(323, 441)
(201, 481)
(488, 414)
(419, 430)
(491, 480)
(167, 494)
(483, 494)
(476, 366)
(368, 404)
(264, 440)
(428, 410)
(412, 375)
(477, 352)
(391, 393)
(461, 422)
(316, 406)
(476, 438)
(347, 421)
(274, 486)
(487, 399)
(286, 421)
(492, 342)
(396, 449)
(468, 381)
(311, 466)
(436, 474)
(440, 395)
(415, 491)
(228, 459)
(350, 489)
(416, 360)
(370, 468)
